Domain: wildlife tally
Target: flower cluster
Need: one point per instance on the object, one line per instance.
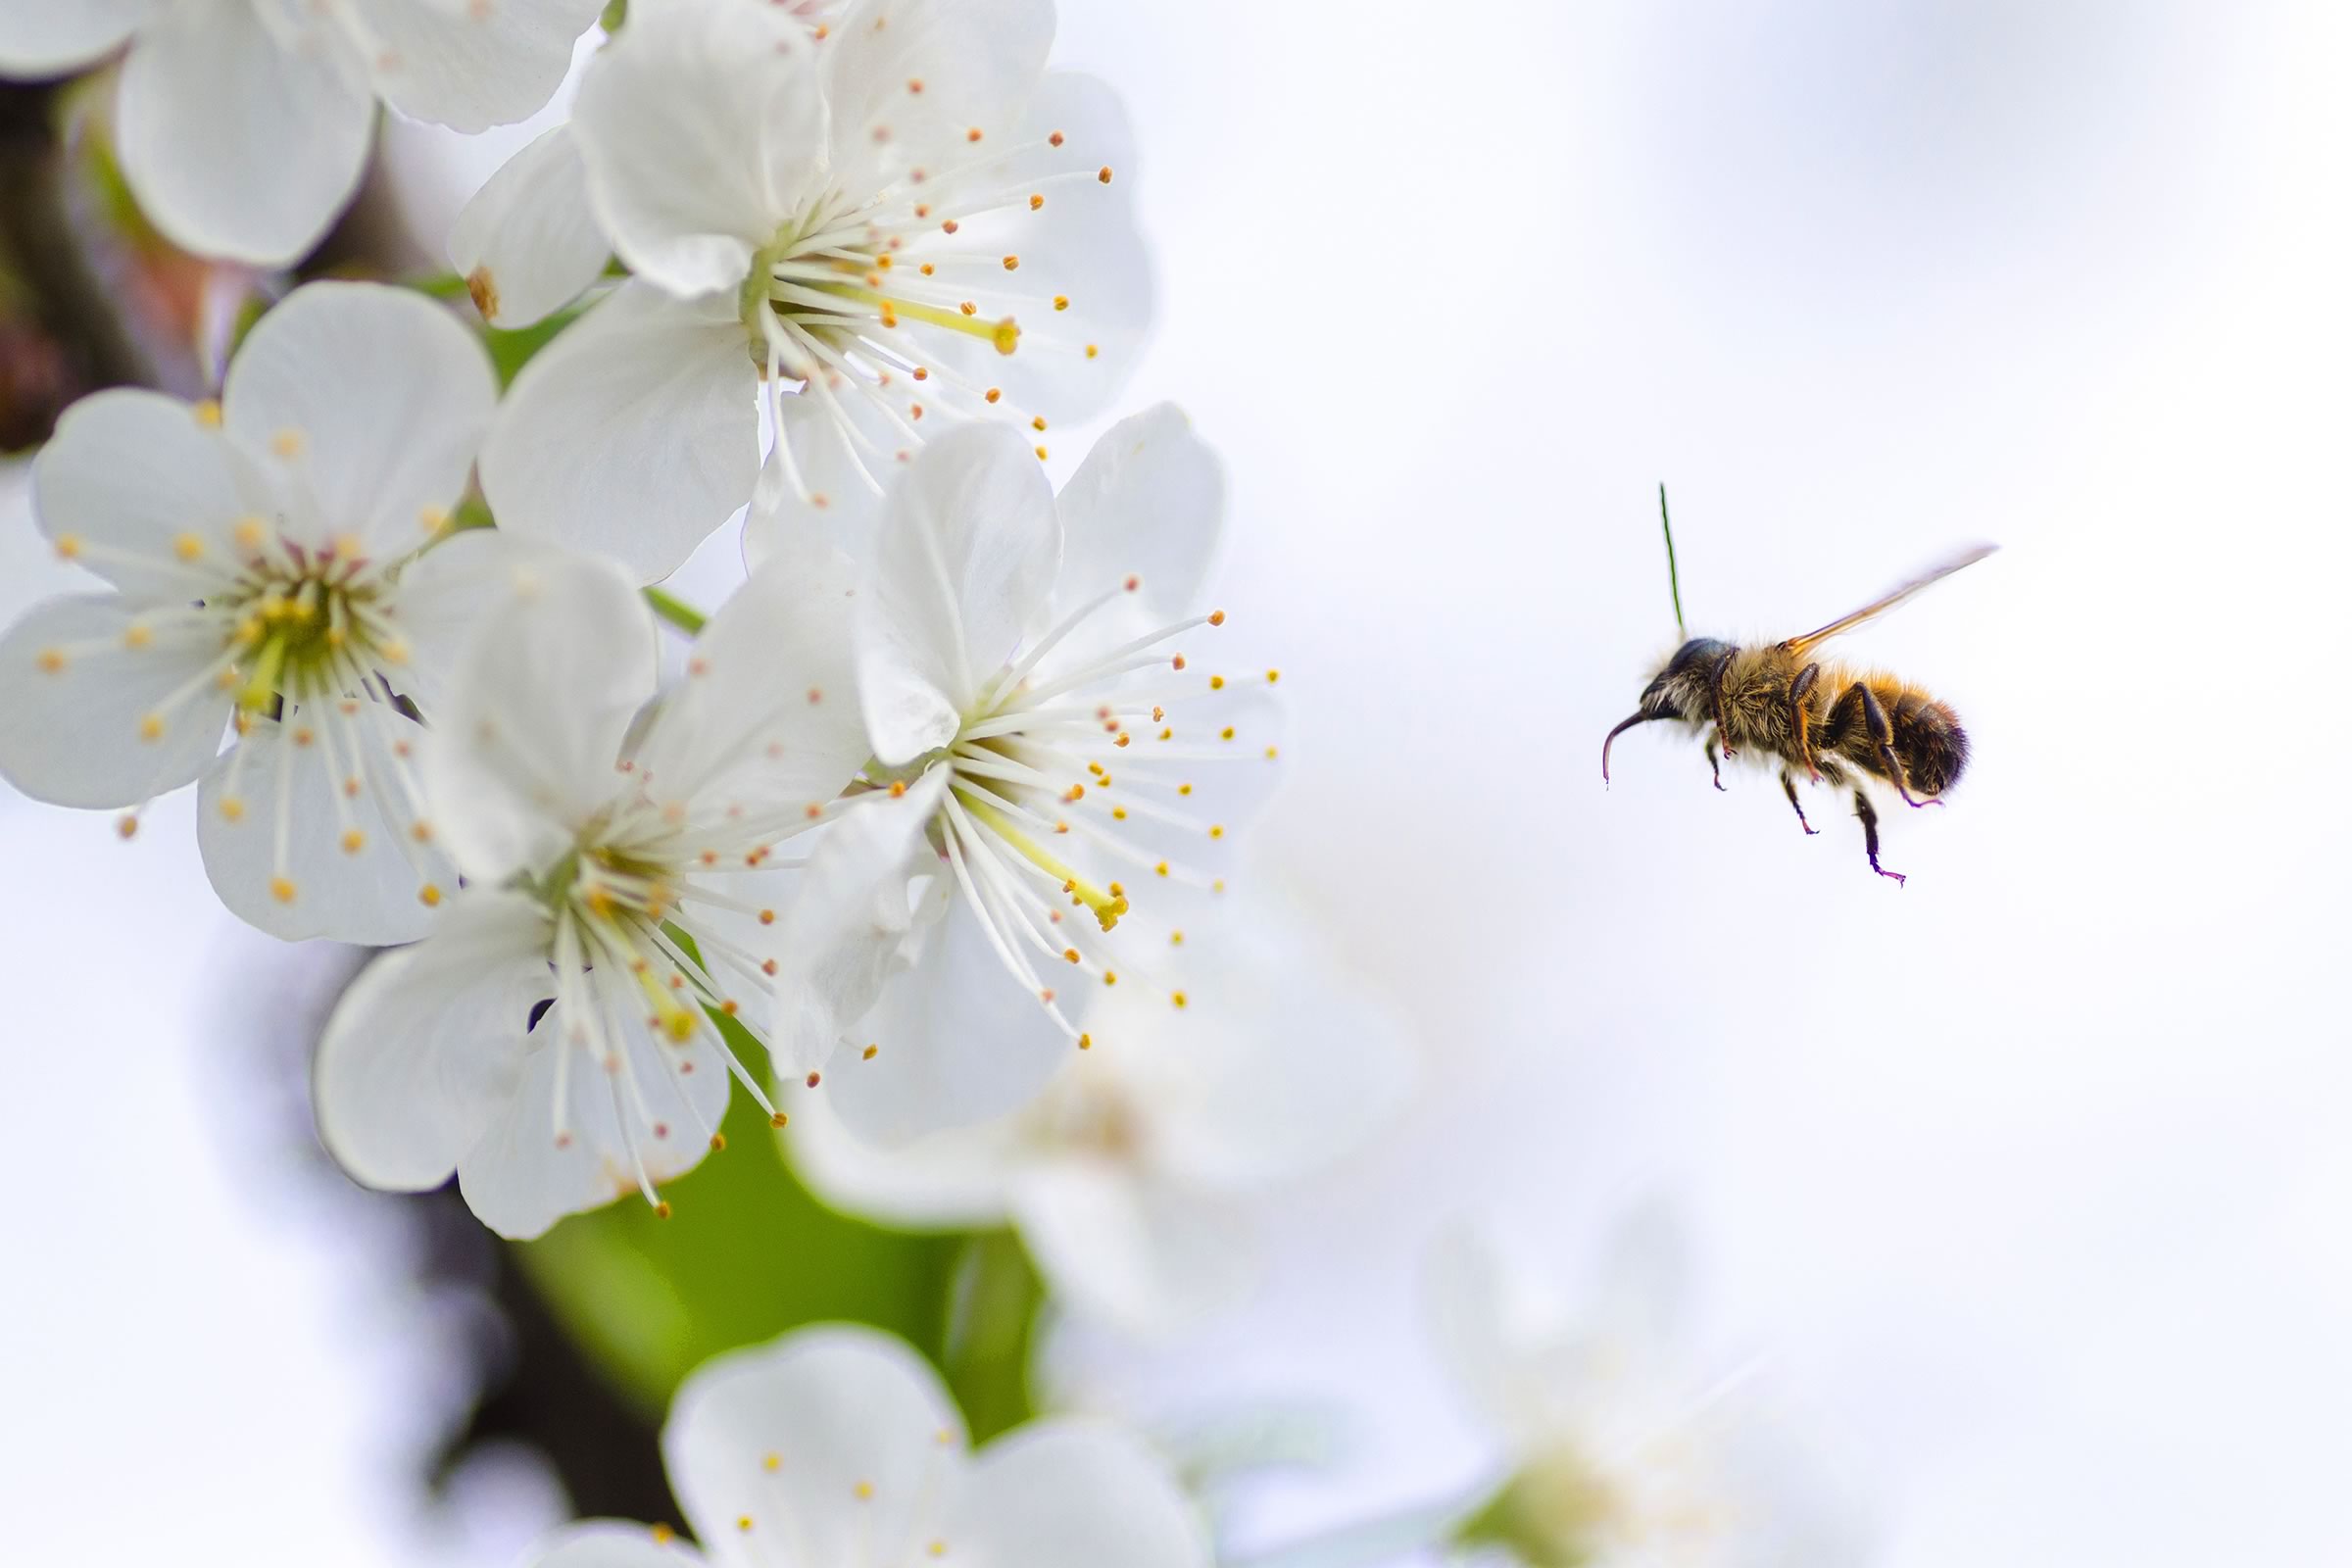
(920, 842)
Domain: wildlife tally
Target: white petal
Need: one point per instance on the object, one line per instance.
(909, 79)
(234, 145)
(703, 129)
(1144, 1256)
(602, 1544)
(960, 1040)
(49, 37)
(371, 400)
(77, 734)
(138, 474)
(1150, 502)
(767, 717)
(526, 746)
(865, 1439)
(953, 1180)
(840, 504)
(633, 434)
(1277, 1066)
(426, 1047)
(521, 1177)
(1068, 1494)
(444, 598)
(964, 573)
(473, 63)
(528, 244)
(846, 928)
(372, 894)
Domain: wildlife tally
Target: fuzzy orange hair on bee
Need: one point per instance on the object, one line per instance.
(1831, 722)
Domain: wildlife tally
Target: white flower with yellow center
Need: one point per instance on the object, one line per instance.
(1617, 1456)
(243, 125)
(837, 1448)
(269, 588)
(622, 863)
(1134, 1178)
(1051, 759)
(900, 224)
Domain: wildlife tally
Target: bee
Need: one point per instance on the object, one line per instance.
(1826, 720)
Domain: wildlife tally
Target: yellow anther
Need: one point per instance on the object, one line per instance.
(1006, 336)
(430, 896)
(1216, 830)
(869, 1052)
(1226, 733)
(1062, 301)
(151, 728)
(354, 841)
(1111, 977)
(208, 413)
(1273, 675)
(186, 546)
(232, 808)
(281, 890)
(1178, 998)
(662, 1209)
(1012, 264)
(69, 547)
(1161, 869)
(1086, 1042)
(1217, 683)
(1071, 954)
(662, 1534)
(1216, 618)
(1103, 173)
(1175, 939)
(128, 824)
(1184, 789)
(138, 635)
(1272, 753)
(1118, 813)
(288, 442)
(772, 1463)
(249, 534)
(1041, 453)
(1092, 351)
(49, 660)
(1036, 201)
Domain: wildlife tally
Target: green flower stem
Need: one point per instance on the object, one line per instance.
(676, 610)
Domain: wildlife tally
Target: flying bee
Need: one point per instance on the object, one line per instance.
(1825, 720)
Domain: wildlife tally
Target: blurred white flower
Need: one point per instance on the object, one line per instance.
(528, 243)
(264, 553)
(838, 1445)
(1133, 1177)
(631, 850)
(243, 125)
(903, 221)
(1039, 738)
(1619, 1453)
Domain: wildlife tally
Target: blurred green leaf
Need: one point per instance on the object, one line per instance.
(511, 351)
(748, 1253)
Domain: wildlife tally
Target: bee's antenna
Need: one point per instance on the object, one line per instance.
(1674, 579)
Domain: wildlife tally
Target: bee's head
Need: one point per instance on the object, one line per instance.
(1684, 689)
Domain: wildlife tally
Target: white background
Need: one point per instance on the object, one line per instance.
(2028, 1176)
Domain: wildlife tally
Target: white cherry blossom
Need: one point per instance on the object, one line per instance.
(902, 224)
(1132, 1179)
(838, 1445)
(528, 243)
(243, 125)
(1054, 762)
(621, 863)
(1620, 1450)
(264, 553)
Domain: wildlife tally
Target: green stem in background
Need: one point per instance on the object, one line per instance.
(676, 610)
(1385, 1537)
(615, 15)
(996, 1299)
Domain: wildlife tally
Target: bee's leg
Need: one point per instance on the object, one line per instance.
(1870, 836)
(1788, 784)
(1715, 684)
(1799, 722)
(1882, 739)
(1713, 766)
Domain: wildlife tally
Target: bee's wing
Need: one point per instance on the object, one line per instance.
(1879, 606)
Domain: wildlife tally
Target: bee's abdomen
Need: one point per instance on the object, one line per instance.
(1928, 740)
